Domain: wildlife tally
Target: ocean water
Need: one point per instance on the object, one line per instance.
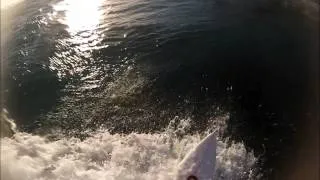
(106, 89)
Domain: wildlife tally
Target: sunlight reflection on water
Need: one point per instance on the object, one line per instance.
(80, 15)
(82, 20)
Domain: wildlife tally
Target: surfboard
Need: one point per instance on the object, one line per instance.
(200, 162)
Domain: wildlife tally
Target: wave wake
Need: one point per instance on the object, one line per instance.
(114, 156)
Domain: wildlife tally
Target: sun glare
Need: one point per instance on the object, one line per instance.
(80, 15)
(82, 19)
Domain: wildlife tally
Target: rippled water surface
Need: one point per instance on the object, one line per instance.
(130, 75)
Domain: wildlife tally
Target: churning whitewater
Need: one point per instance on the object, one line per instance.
(115, 156)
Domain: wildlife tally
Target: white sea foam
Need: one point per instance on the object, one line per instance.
(113, 156)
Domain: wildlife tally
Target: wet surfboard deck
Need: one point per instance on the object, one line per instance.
(200, 162)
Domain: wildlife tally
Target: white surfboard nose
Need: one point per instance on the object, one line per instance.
(199, 163)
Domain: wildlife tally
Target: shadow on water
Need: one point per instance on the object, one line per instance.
(28, 101)
(30, 87)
